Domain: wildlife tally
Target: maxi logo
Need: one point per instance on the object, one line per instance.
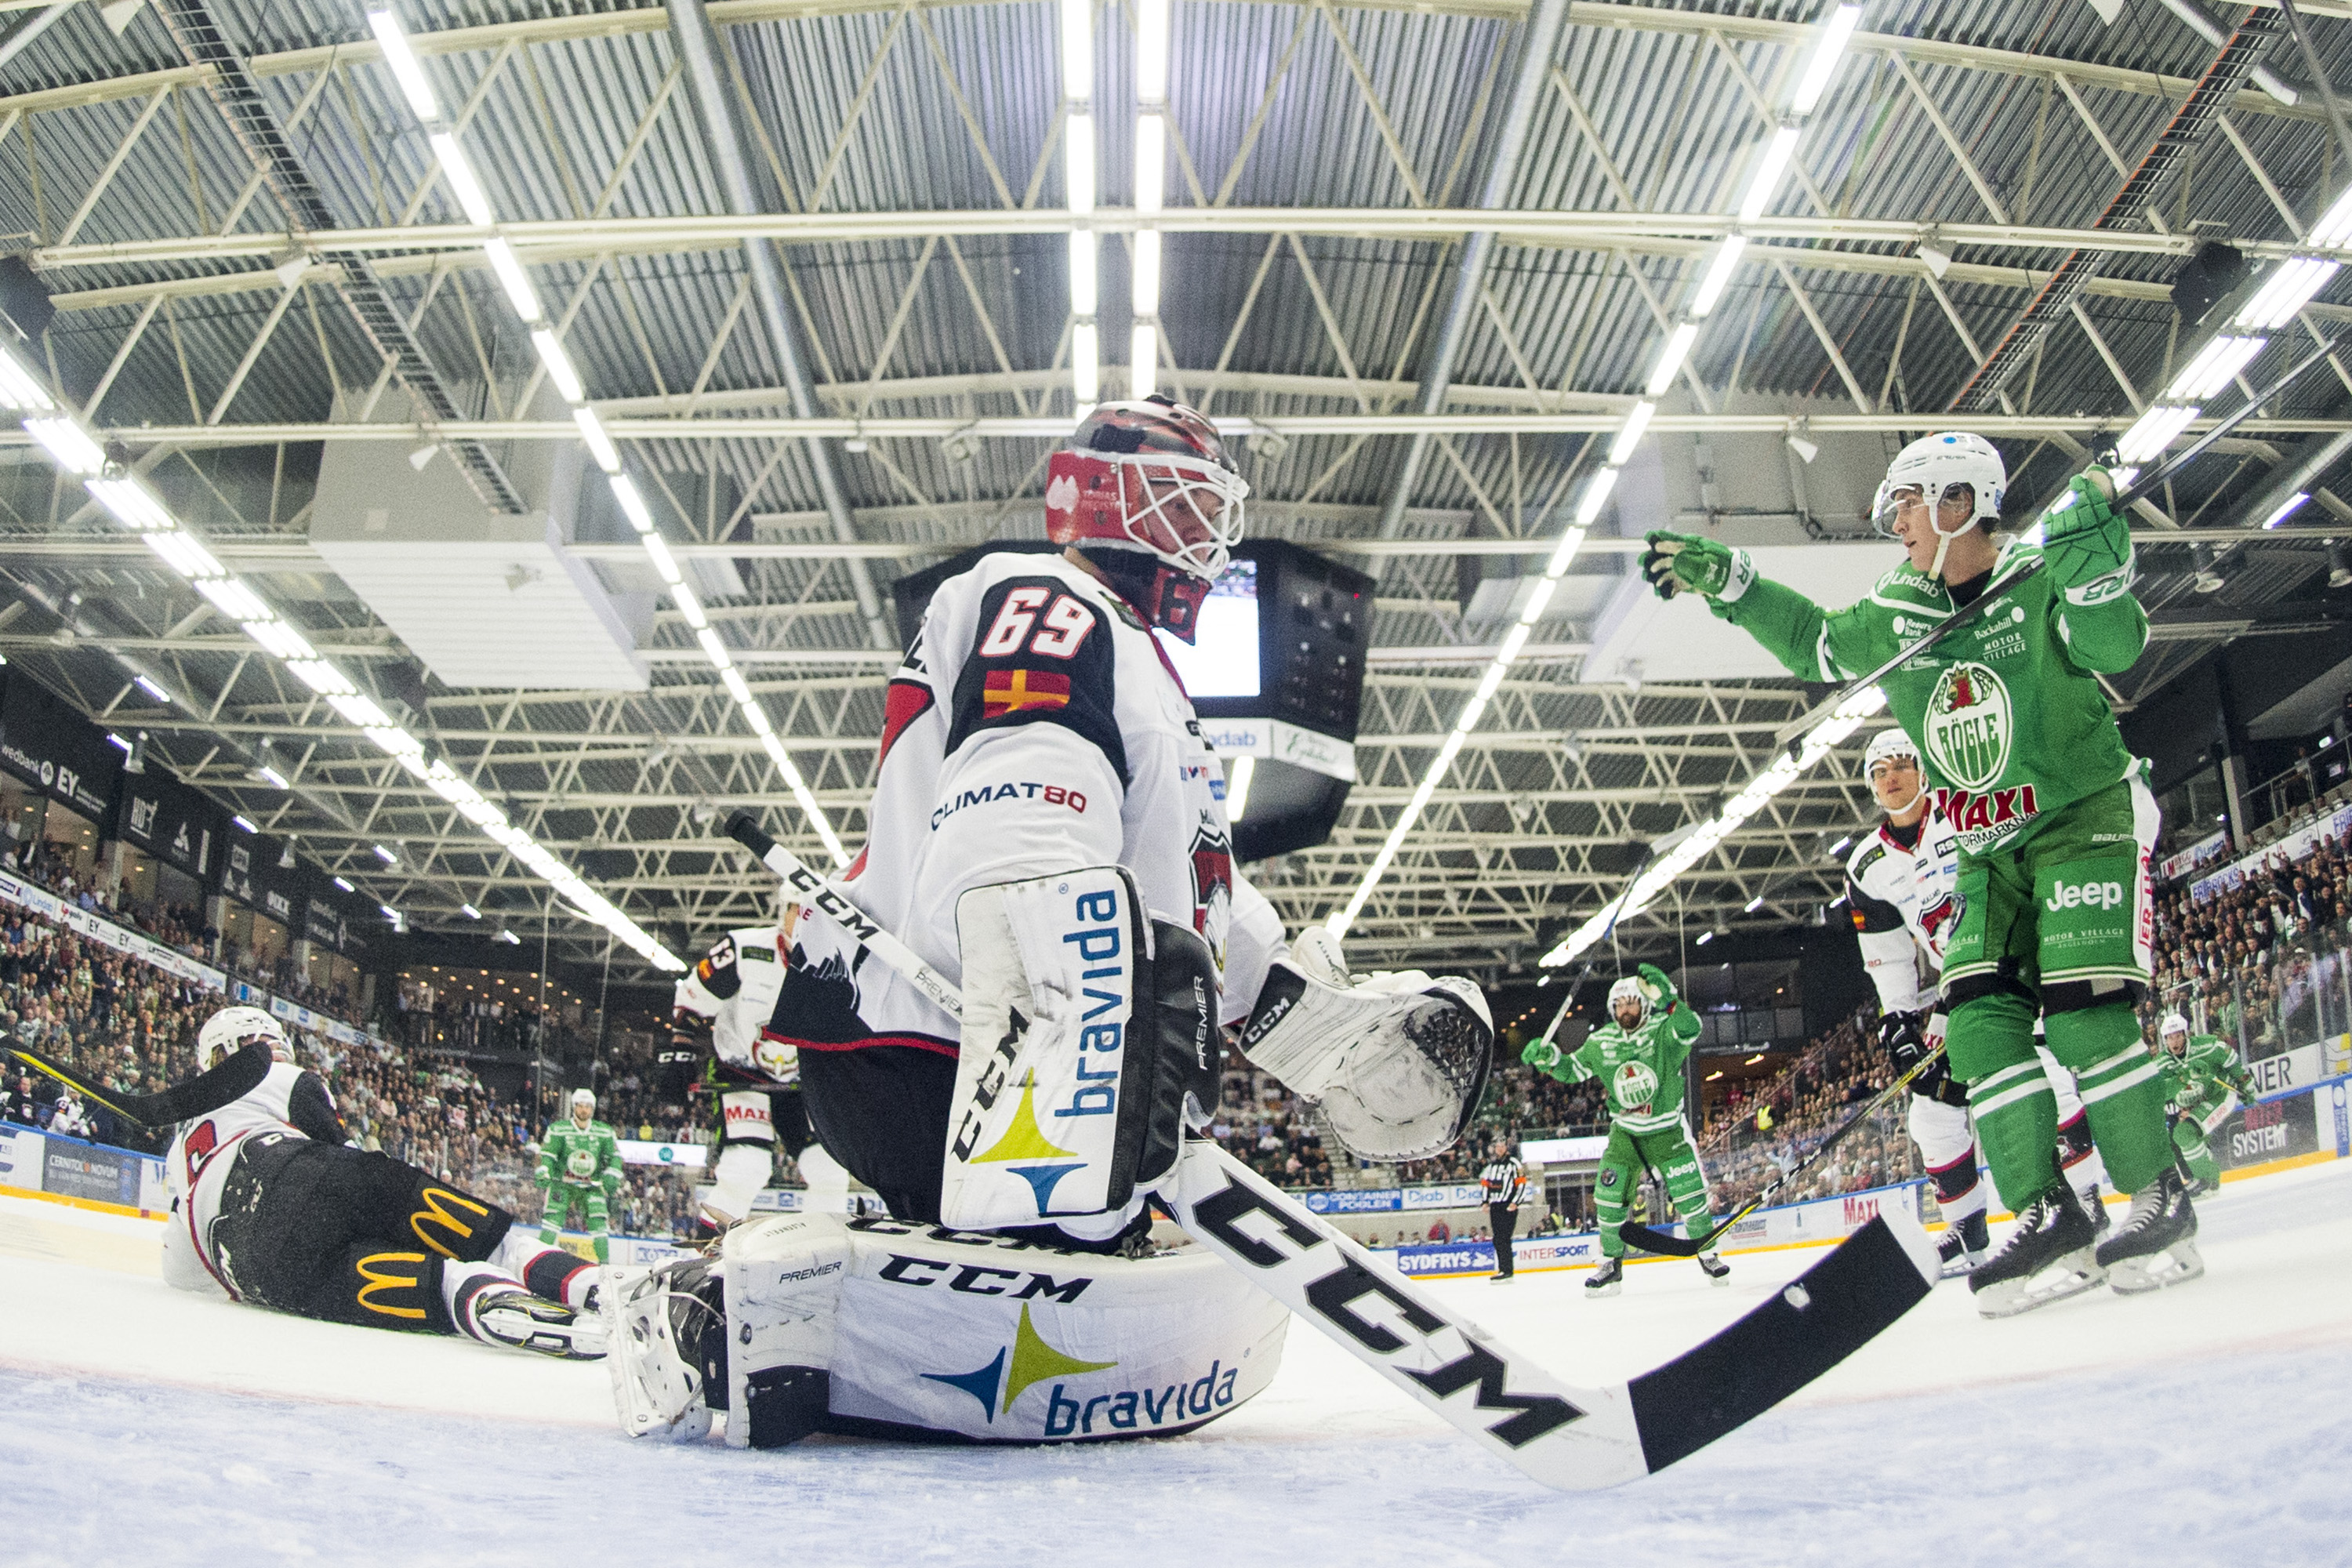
(1332, 1295)
(1032, 1362)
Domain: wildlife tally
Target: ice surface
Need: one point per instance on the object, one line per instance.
(2202, 1423)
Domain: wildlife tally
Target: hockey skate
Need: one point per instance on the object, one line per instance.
(508, 1315)
(2048, 1258)
(1964, 1246)
(1607, 1278)
(2158, 1245)
(1718, 1272)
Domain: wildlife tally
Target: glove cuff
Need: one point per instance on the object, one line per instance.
(2105, 587)
(1742, 577)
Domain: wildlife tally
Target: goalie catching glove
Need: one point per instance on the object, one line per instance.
(1398, 1062)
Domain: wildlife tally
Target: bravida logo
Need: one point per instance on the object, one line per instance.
(2091, 895)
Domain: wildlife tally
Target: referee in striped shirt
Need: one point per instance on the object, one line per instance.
(1503, 1184)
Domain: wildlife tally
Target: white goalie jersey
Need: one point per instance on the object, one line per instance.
(1904, 901)
(733, 990)
(287, 1099)
(1035, 726)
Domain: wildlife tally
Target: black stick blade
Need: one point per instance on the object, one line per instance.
(1833, 1309)
(230, 1080)
(1665, 1243)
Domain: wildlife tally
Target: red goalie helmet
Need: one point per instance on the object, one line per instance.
(1147, 491)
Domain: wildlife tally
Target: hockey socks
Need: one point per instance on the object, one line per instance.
(551, 1273)
(2121, 1090)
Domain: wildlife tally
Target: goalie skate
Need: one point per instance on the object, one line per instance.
(1964, 1246)
(2048, 1258)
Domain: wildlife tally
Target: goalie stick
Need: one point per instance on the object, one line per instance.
(1575, 1438)
(1672, 1245)
(227, 1081)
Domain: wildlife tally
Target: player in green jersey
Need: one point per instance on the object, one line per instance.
(580, 1167)
(2204, 1080)
(1639, 1061)
(2053, 819)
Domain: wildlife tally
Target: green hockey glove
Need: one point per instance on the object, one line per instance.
(2087, 542)
(1675, 562)
(1661, 985)
(1541, 1053)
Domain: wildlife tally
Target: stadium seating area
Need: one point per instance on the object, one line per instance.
(2264, 962)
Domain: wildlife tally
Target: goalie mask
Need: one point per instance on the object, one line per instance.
(1886, 746)
(1146, 491)
(1934, 469)
(232, 1029)
(1629, 987)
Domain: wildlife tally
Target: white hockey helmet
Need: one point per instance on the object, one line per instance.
(1629, 985)
(1888, 743)
(2174, 1024)
(1930, 469)
(232, 1029)
(584, 1099)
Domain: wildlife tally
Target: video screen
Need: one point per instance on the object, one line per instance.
(1221, 662)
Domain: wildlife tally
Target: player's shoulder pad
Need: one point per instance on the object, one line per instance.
(1863, 855)
(1041, 652)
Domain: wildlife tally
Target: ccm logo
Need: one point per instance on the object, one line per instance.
(979, 1279)
(2096, 895)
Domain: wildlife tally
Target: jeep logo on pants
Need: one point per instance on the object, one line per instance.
(2097, 895)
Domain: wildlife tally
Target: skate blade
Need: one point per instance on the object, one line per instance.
(580, 1340)
(1962, 1265)
(1595, 1293)
(2070, 1276)
(2178, 1264)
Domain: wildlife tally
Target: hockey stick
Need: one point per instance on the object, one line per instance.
(227, 1081)
(744, 828)
(1671, 1246)
(1573, 1438)
(1998, 593)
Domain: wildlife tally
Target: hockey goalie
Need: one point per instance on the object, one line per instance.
(1048, 832)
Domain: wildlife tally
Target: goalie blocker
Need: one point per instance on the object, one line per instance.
(808, 1324)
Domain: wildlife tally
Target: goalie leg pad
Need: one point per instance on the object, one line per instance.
(1398, 1063)
(1054, 1083)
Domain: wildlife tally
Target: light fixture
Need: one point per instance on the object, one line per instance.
(2339, 567)
(2213, 367)
(1939, 259)
(1704, 938)
(68, 444)
(132, 504)
(559, 365)
(286, 856)
(1806, 451)
(384, 854)
(1752, 905)
(2154, 430)
(513, 279)
(1085, 366)
(470, 911)
(1839, 846)
(1237, 791)
(600, 444)
(20, 389)
(406, 68)
(1751, 1061)
(419, 457)
(1822, 66)
(272, 776)
(2285, 292)
(1766, 182)
(1717, 276)
(148, 684)
(1669, 358)
(1628, 435)
(244, 823)
(2209, 572)
(345, 884)
(2286, 509)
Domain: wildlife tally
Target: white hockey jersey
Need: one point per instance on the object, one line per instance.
(1035, 726)
(287, 1099)
(733, 988)
(1903, 900)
